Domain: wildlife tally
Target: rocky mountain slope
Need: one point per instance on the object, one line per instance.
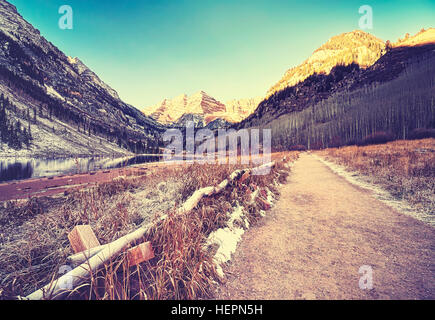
(380, 106)
(353, 47)
(202, 109)
(239, 109)
(73, 111)
(337, 65)
(171, 110)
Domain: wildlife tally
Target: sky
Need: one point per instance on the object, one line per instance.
(148, 50)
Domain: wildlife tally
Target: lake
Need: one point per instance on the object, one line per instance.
(20, 169)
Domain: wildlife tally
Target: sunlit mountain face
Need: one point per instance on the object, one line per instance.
(203, 106)
(353, 47)
(342, 65)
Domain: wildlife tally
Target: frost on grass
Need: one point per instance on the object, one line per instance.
(152, 201)
(360, 180)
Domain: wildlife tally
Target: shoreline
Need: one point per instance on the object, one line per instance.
(78, 156)
(50, 186)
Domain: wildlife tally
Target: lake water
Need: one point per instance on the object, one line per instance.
(20, 169)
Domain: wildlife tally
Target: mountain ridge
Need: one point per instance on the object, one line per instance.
(202, 105)
(354, 47)
(43, 81)
(351, 47)
(340, 78)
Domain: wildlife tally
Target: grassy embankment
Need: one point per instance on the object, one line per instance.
(405, 168)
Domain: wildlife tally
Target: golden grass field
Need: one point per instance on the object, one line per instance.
(34, 243)
(405, 168)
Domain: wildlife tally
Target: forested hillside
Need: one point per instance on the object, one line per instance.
(73, 111)
(398, 109)
(12, 132)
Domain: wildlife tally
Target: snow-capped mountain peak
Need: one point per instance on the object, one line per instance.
(202, 105)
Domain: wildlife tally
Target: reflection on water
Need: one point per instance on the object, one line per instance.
(19, 169)
(15, 171)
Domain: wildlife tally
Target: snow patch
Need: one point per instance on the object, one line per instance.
(270, 196)
(228, 238)
(54, 93)
(254, 194)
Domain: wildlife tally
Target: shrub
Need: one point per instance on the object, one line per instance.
(336, 142)
(298, 147)
(377, 138)
(421, 133)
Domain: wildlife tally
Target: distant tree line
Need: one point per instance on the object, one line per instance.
(313, 89)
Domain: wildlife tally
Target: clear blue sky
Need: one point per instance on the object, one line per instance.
(148, 50)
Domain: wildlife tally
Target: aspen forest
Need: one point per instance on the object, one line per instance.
(398, 109)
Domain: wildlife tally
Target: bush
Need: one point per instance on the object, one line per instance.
(336, 142)
(421, 133)
(297, 147)
(377, 138)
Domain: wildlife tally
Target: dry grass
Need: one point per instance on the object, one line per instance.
(405, 168)
(35, 246)
(33, 233)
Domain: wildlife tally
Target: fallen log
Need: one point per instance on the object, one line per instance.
(111, 250)
(77, 275)
(193, 201)
(79, 258)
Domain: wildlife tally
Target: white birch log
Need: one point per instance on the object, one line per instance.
(81, 257)
(71, 279)
(193, 201)
(105, 253)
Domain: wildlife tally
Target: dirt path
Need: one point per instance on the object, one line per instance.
(319, 234)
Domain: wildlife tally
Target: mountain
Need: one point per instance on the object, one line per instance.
(200, 108)
(66, 107)
(346, 74)
(393, 97)
(171, 110)
(353, 47)
(239, 109)
(218, 124)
